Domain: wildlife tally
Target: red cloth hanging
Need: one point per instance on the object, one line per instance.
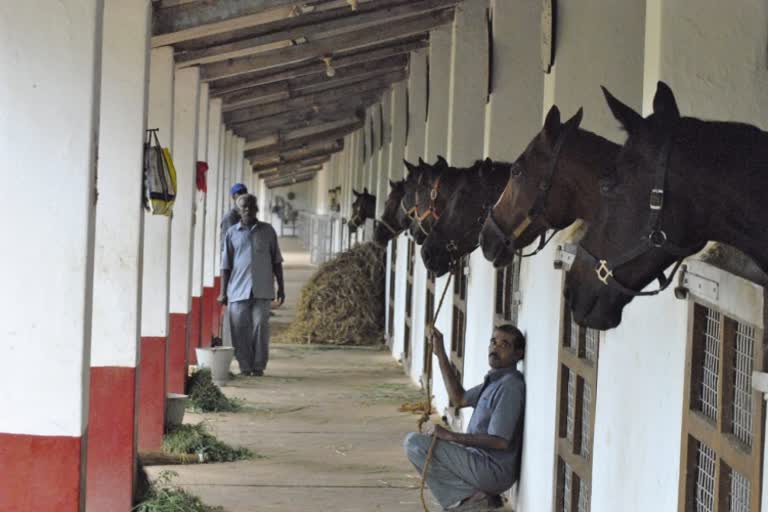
(202, 168)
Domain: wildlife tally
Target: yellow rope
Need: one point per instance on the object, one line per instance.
(428, 399)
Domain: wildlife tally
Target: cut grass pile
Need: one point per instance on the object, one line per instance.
(205, 396)
(196, 440)
(163, 497)
(343, 302)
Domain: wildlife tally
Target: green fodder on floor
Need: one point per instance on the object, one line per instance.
(196, 440)
(163, 497)
(343, 302)
(205, 396)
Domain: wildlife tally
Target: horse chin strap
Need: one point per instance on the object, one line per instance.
(386, 225)
(655, 239)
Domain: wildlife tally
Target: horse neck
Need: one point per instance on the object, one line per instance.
(726, 184)
(583, 162)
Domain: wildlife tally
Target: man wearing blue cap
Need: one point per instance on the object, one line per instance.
(232, 217)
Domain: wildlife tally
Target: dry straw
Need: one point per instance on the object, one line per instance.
(343, 302)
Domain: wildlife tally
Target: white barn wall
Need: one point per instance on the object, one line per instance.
(417, 90)
(513, 116)
(441, 42)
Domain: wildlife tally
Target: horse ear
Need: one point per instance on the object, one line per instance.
(629, 119)
(664, 104)
(355, 192)
(365, 191)
(552, 124)
(441, 162)
(409, 166)
(422, 162)
(575, 121)
(392, 184)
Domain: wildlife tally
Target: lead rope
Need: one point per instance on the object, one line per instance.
(428, 399)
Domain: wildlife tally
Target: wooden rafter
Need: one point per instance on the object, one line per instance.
(298, 154)
(311, 83)
(360, 89)
(309, 26)
(298, 177)
(348, 58)
(284, 170)
(282, 160)
(301, 142)
(316, 49)
(256, 132)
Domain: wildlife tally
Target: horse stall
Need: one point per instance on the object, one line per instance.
(658, 413)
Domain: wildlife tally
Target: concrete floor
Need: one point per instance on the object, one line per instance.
(326, 423)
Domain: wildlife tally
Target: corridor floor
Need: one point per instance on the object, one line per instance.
(325, 423)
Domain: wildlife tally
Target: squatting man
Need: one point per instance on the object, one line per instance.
(251, 262)
(469, 470)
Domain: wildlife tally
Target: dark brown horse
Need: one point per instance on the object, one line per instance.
(551, 185)
(469, 194)
(422, 201)
(678, 183)
(363, 208)
(393, 220)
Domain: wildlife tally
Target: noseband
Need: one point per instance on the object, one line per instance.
(413, 212)
(537, 212)
(655, 238)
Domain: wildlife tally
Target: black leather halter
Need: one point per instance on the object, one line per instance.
(654, 238)
(537, 212)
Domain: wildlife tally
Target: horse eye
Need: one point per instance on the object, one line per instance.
(516, 170)
(607, 185)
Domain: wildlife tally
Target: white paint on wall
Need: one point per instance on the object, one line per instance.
(119, 212)
(212, 197)
(198, 217)
(50, 56)
(157, 228)
(185, 124)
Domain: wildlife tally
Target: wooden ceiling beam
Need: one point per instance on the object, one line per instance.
(284, 170)
(310, 26)
(184, 21)
(311, 83)
(401, 47)
(321, 137)
(319, 48)
(363, 88)
(262, 167)
(309, 176)
(328, 112)
(256, 132)
(304, 152)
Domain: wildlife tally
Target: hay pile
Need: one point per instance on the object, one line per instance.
(164, 497)
(343, 302)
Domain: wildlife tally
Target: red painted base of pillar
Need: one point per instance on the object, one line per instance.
(151, 393)
(195, 323)
(216, 326)
(178, 330)
(111, 439)
(40, 473)
(206, 322)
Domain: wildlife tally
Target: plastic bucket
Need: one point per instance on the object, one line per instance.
(218, 360)
(174, 409)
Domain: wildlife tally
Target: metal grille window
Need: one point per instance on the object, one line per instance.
(508, 293)
(458, 331)
(409, 300)
(722, 444)
(578, 356)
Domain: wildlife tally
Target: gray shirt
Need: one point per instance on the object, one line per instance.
(499, 404)
(250, 255)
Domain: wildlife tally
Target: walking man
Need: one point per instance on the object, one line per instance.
(469, 471)
(231, 218)
(250, 264)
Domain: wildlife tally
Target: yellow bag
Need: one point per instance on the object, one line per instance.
(159, 177)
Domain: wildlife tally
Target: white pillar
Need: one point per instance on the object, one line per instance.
(198, 238)
(156, 277)
(212, 197)
(118, 256)
(185, 122)
(49, 100)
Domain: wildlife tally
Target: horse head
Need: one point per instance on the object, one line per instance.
(470, 193)
(552, 184)
(422, 201)
(648, 218)
(363, 208)
(393, 220)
